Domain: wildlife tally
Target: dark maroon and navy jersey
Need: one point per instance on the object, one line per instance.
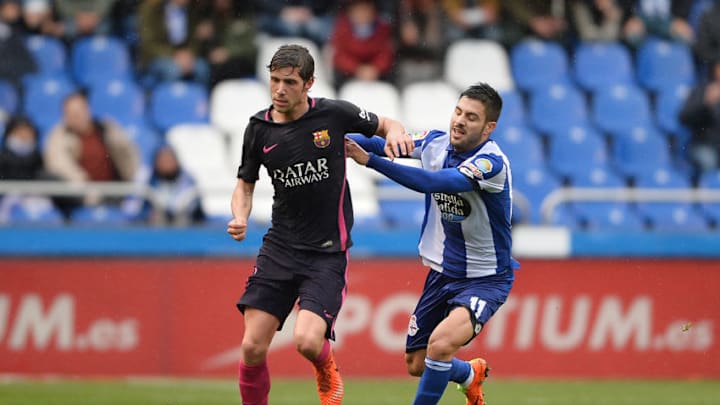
(305, 158)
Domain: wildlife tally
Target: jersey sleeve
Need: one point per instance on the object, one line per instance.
(250, 165)
(358, 119)
(487, 170)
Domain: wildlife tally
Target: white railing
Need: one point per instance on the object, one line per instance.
(623, 194)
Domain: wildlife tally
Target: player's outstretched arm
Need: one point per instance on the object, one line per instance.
(241, 205)
(421, 180)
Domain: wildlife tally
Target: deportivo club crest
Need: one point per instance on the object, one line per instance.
(321, 138)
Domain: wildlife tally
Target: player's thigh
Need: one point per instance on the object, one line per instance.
(454, 331)
(260, 326)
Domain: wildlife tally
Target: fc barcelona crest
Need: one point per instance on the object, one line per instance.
(321, 138)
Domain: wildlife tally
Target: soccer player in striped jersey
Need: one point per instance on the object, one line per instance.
(301, 142)
(466, 239)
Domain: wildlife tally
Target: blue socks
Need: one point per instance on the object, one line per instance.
(435, 379)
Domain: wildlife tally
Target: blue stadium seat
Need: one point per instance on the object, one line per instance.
(48, 52)
(711, 181)
(557, 107)
(99, 59)
(575, 148)
(99, 215)
(595, 176)
(620, 108)
(43, 99)
(598, 216)
(669, 216)
(597, 65)
(668, 103)
(146, 140)
(534, 184)
(660, 63)
(521, 145)
(400, 212)
(29, 211)
(564, 215)
(120, 99)
(639, 151)
(178, 103)
(535, 64)
(513, 109)
(8, 100)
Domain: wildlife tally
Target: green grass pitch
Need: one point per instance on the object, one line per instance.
(358, 392)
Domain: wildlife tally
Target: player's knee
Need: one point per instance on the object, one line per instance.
(308, 344)
(415, 364)
(440, 348)
(253, 352)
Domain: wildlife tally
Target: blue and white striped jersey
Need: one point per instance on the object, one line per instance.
(467, 234)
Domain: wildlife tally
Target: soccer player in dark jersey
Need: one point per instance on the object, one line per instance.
(466, 240)
(304, 255)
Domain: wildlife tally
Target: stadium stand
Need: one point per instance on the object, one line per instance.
(98, 59)
(477, 53)
(557, 107)
(173, 103)
(48, 52)
(597, 65)
(536, 64)
(120, 99)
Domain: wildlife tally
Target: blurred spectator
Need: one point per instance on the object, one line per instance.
(473, 19)
(20, 157)
(175, 201)
(707, 45)
(229, 42)
(362, 44)
(665, 19)
(39, 18)
(170, 42)
(311, 19)
(701, 113)
(597, 20)
(421, 41)
(84, 17)
(16, 59)
(80, 149)
(543, 19)
(124, 22)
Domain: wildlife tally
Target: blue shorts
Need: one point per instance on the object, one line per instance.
(482, 297)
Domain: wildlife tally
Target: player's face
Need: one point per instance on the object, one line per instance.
(468, 125)
(289, 92)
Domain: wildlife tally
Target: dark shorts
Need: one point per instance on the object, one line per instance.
(282, 277)
(481, 296)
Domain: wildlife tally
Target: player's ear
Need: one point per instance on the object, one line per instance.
(489, 127)
(309, 83)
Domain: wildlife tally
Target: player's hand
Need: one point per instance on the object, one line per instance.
(356, 152)
(237, 228)
(398, 144)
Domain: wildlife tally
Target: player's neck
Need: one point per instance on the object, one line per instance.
(291, 115)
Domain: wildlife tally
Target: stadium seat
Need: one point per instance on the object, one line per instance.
(610, 215)
(100, 215)
(233, 102)
(557, 107)
(668, 103)
(379, 97)
(660, 63)
(669, 216)
(99, 59)
(428, 105)
(597, 65)
(43, 99)
(8, 100)
(574, 149)
(119, 99)
(522, 145)
(269, 45)
(513, 108)
(535, 183)
(146, 140)
(364, 193)
(176, 103)
(595, 176)
(620, 108)
(467, 62)
(639, 151)
(536, 64)
(48, 52)
(710, 180)
(29, 210)
(202, 152)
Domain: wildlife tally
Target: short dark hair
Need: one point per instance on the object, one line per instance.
(490, 98)
(295, 56)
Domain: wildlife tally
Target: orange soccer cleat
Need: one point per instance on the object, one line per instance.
(329, 383)
(473, 392)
